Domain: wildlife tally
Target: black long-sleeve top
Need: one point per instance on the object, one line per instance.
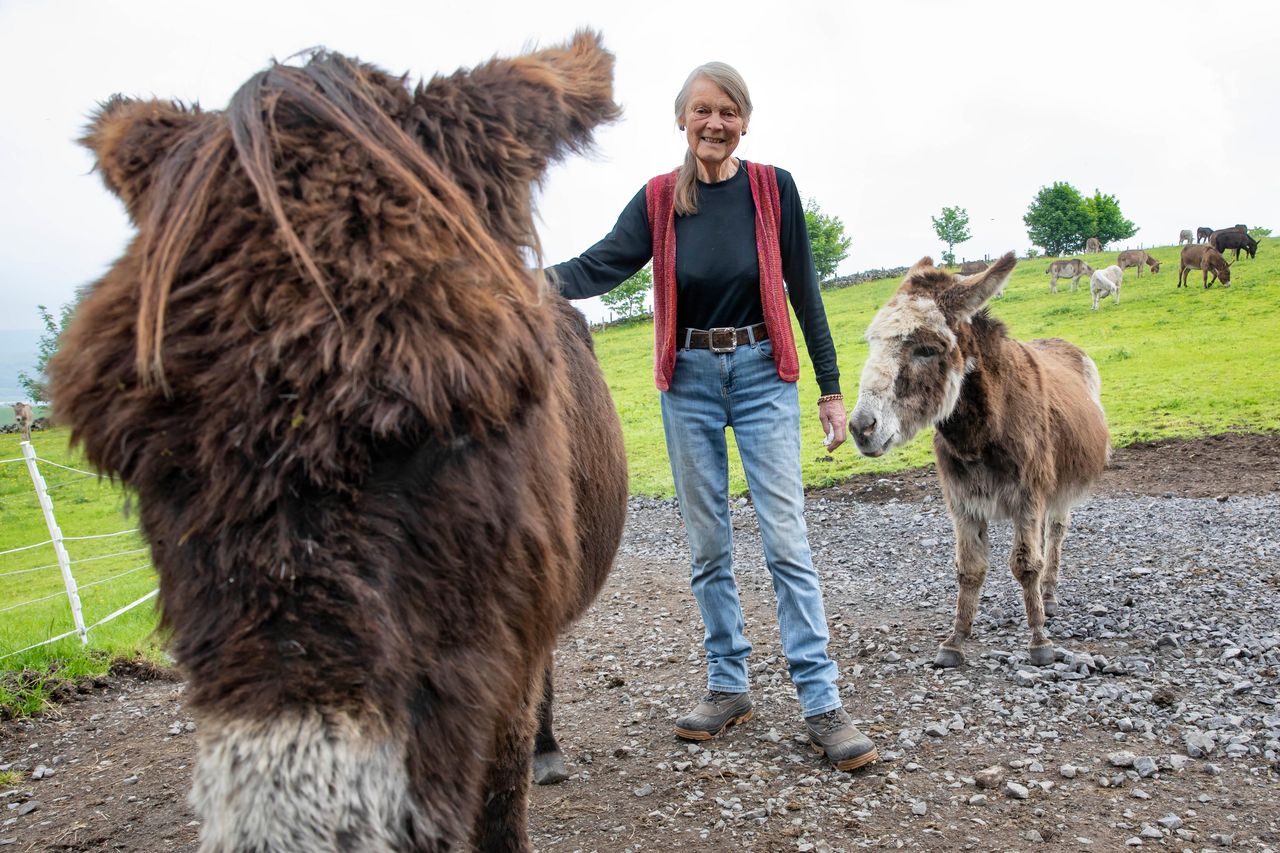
(717, 267)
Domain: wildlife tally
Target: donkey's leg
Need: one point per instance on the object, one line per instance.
(972, 556)
(548, 761)
(1054, 532)
(502, 825)
(1027, 563)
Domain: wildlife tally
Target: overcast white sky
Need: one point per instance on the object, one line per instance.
(884, 112)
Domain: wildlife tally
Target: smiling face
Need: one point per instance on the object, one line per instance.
(713, 124)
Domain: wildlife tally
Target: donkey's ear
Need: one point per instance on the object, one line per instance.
(534, 108)
(129, 138)
(964, 300)
(923, 265)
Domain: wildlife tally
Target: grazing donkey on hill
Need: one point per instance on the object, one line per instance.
(1092, 246)
(1072, 269)
(1136, 258)
(1206, 258)
(1019, 430)
(1184, 236)
(364, 581)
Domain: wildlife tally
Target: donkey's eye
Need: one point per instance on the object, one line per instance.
(926, 352)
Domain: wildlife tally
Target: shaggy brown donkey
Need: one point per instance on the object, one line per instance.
(365, 580)
(1019, 429)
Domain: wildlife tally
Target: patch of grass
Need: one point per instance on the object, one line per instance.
(9, 778)
(110, 573)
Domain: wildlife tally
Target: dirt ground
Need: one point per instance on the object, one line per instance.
(121, 748)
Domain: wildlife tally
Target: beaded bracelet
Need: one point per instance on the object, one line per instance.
(827, 398)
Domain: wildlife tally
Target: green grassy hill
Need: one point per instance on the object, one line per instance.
(1174, 361)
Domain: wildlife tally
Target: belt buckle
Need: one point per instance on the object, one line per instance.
(723, 333)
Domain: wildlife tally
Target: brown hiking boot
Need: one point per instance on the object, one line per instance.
(713, 714)
(834, 734)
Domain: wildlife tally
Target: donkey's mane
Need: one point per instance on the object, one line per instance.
(987, 326)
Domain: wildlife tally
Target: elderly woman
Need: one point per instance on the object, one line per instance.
(724, 234)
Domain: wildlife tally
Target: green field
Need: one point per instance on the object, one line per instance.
(1174, 362)
(111, 571)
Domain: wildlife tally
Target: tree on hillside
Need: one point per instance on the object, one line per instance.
(827, 240)
(37, 386)
(1109, 224)
(627, 299)
(1058, 220)
(952, 228)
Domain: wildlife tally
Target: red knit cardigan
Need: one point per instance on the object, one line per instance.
(660, 201)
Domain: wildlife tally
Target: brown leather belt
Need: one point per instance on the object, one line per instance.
(724, 339)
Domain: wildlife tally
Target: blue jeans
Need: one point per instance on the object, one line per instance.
(709, 392)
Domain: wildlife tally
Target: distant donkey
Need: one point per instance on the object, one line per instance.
(1019, 430)
(1207, 259)
(1072, 268)
(1184, 236)
(1092, 246)
(23, 415)
(1136, 258)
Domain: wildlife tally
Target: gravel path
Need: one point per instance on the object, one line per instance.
(1157, 727)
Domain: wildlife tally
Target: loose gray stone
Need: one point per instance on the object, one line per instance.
(1018, 792)
(989, 777)
(1122, 759)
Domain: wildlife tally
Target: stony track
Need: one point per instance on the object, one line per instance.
(1158, 726)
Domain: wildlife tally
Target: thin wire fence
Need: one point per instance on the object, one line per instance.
(109, 578)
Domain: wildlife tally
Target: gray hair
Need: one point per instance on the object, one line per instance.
(731, 82)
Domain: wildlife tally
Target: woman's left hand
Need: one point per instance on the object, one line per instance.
(832, 417)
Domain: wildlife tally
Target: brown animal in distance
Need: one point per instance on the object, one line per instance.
(364, 583)
(1072, 268)
(24, 417)
(1206, 258)
(1019, 430)
(1136, 258)
(1092, 246)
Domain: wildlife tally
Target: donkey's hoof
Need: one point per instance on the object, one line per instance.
(548, 768)
(1042, 655)
(948, 658)
(1051, 608)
